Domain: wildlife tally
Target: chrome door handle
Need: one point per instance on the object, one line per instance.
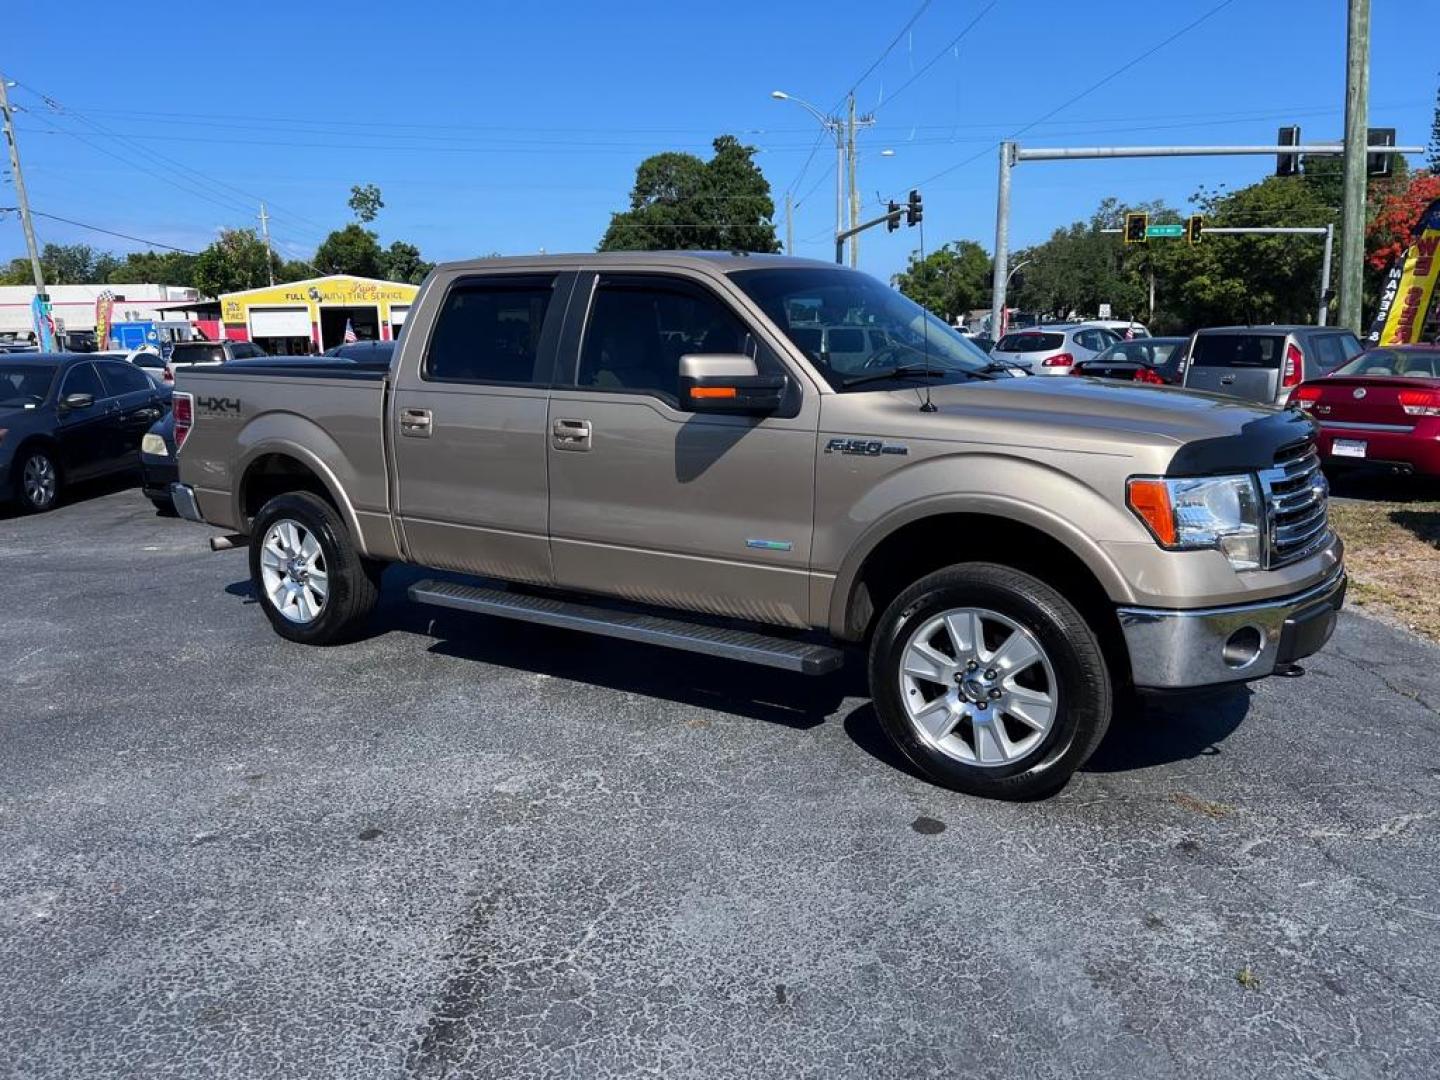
(570, 435)
(416, 423)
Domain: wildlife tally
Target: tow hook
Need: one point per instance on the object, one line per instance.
(1289, 671)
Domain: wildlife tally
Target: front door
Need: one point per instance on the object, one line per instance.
(86, 435)
(469, 427)
(702, 511)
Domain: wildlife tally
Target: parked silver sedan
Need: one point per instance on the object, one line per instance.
(1053, 350)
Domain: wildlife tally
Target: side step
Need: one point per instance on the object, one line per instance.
(801, 656)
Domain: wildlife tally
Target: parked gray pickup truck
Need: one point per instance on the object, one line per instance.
(661, 447)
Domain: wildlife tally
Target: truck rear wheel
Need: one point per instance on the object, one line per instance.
(311, 580)
(990, 681)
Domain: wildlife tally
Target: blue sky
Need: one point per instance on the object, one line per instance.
(507, 127)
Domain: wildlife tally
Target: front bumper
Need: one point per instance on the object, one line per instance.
(156, 476)
(1177, 649)
(183, 495)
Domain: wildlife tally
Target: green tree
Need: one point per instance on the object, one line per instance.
(236, 260)
(402, 262)
(682, 202)
(160, 267)
(351, 250)
(950, 281)
(365, 201)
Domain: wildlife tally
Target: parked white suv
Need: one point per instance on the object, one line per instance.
(1053, 350)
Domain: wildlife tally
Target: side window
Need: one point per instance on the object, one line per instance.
(1330, 350)
(1088, 339)
(81, 379)
(1350, 346)
(489, 332)
(639, 328)
(123, 379)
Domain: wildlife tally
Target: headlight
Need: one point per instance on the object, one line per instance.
(153, 445)
(1194, 513)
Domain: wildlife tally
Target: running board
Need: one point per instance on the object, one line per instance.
(800, 656)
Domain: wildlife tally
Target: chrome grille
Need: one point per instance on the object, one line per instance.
(1296, 504)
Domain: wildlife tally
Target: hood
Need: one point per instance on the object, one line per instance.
(1207, 432)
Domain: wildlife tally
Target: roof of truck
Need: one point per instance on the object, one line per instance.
(723, 261)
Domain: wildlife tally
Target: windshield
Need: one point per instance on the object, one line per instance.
(851, 326)
(24, 385)
(1412, 363)
(1139, 352)
(200, 353)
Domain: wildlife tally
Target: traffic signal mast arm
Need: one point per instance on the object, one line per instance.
(913, 210)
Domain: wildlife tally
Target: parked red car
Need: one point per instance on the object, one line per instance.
(1382, 408)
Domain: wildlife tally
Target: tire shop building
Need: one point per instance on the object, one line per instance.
(311, 316)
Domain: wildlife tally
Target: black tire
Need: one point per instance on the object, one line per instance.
(353, 582)
(165, 507)
(1084, 688)
(41, 456)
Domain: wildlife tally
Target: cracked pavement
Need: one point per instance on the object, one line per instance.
(464, 847)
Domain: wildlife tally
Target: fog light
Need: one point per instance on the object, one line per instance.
(1242, 648)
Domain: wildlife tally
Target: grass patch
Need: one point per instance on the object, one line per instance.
(1392, 552)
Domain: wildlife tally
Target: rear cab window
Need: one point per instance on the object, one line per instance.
(208, 352)
(1238, 350)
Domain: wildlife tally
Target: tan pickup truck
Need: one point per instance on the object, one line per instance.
(769, 459)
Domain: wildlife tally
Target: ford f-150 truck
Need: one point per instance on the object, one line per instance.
(673, 448)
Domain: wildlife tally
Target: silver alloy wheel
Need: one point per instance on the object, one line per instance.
(978, 686)
(292, 569)
(39, 480)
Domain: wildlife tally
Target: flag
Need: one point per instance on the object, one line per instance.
(44, 323)
(1407, 298)
(350, 333)
(104, 306)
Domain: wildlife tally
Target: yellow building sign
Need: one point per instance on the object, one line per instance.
(326, 311)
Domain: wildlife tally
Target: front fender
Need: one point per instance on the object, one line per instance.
(1041, 496)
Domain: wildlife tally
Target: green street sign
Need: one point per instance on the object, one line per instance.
(1165, 230)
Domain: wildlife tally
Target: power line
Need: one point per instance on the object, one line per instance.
(98, 229)
(888, 48)
(938, 56)
(1084, 93)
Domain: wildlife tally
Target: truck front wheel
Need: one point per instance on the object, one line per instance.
(311, 580)
(990, 681)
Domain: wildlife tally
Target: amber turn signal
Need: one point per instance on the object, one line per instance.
(1150, 499)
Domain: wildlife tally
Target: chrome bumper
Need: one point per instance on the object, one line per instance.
(1172, 649)
(183, 495)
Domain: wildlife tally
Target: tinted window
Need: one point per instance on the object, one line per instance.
(1414, 363)
(21, 386)
(81, 379)
(638, 330)
(488, 332)
(123, 379)
(148, 360)
(197, 352)
(1238, 350)
(847, 341)
(1030, 342)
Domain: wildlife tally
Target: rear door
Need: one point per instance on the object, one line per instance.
(468, 426)
(708, 512)
(1244, 365)
(135, 406)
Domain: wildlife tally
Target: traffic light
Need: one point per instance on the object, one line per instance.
(1194, 224)
(1136, 222)
(892, 216)
(1379, 164)
(1287, 164)
(914, 210)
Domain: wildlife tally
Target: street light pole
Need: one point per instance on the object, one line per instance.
(836, 128)
(1357, 102)
(27, 224)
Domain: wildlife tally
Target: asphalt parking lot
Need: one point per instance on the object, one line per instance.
(467, 847)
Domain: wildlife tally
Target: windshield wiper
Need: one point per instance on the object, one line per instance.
(911, 371)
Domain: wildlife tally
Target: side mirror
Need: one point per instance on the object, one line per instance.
(78, 401)
(726, 383)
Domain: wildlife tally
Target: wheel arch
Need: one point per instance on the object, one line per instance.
(922, 538)
(274, 467)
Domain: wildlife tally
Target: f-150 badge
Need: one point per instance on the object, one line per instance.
(864, 447)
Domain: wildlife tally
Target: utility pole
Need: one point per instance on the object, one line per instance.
(1322, 316)
(854, 194)
(26, 222)
(269, 255)
(1001, 278)
(1357, 112)
(789, 223)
